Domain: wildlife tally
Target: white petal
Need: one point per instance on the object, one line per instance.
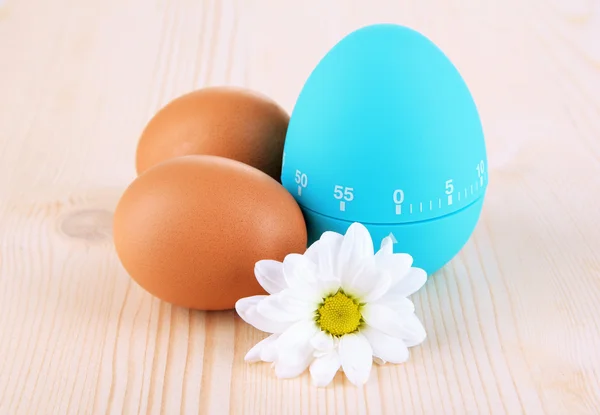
(414, 331)
(298, 268)
(397, 303)
(356, 248)
(263, 350)
(327, 285)
(387, 246)
(383, 318)
(372, 286)
(322, 342)
(246, 309)
(291, 363)
(300, 275)
(284, 307)
(312, 252)
(262, 323)
(387, 348)
(369, 283)
(269, 352)
(398, 265)
(361, 281)
(269, 274)
(378, 361)
(323, 253)
(387, 320)
(324, 368)
(253, 354)
(329, 248)
(414, 279)
(356, 357)
(294, 351)
(244, 304)
(298, 335)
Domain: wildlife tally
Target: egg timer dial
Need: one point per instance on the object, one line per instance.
(386, 132)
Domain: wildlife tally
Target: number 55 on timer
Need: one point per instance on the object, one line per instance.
(386, 132)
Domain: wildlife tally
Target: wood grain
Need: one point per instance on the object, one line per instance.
(513, 321)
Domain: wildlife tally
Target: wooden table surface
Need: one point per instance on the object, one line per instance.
(513, 321)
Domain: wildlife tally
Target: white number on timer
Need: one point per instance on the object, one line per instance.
(449, 190)
(398, 199)
(301, 181)
(343, 194)
(480, 171)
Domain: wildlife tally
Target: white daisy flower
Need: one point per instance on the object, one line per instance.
(340, 306)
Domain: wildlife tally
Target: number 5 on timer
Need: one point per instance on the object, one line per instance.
(301, 181)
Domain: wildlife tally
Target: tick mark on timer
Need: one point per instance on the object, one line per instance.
(398, 209)
(342, 206)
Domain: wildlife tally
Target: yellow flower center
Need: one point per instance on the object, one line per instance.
(339, 314)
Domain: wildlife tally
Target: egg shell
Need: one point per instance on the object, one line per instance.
(231, 122)
(386, 132)
(190, 230)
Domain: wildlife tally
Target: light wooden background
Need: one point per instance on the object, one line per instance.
(513, 320)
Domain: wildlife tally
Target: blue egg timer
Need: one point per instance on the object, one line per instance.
(386, 133)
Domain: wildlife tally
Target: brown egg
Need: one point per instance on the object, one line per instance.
(223, 121)
(190, 230)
